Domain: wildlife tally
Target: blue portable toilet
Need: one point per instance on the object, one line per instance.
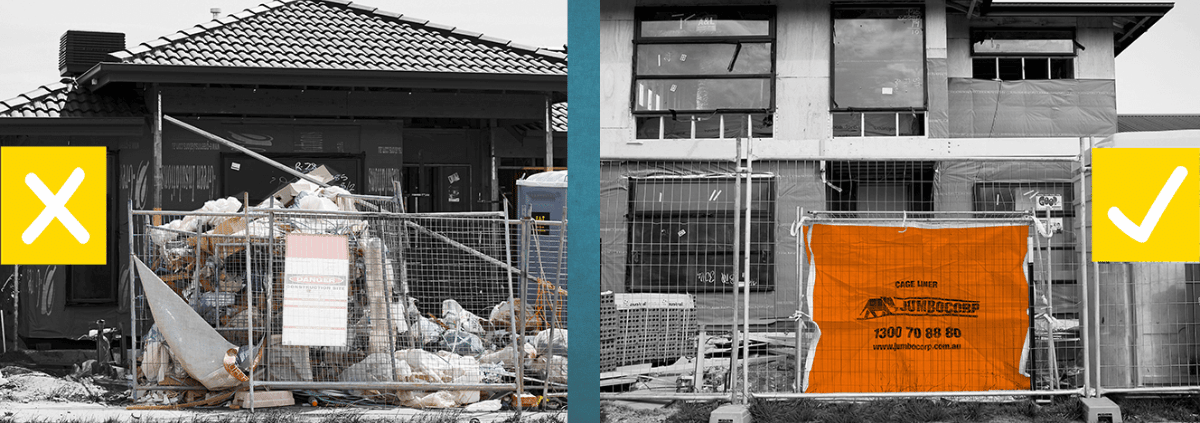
(542, 196)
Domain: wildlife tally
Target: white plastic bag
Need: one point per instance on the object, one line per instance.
(456, 316)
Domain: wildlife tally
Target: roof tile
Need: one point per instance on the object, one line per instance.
(413, 20)
(337, 34)
(61, 100)
(363, 8)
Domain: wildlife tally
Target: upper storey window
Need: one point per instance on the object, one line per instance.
(1011, 54)
(704, 72)
(878, 71)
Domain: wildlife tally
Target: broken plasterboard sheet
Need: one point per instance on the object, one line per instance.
(193, 342)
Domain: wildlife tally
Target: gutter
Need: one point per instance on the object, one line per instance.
(1077, 9)
(134, 126)
(103, 74)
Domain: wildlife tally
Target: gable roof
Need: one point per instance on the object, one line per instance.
(332, 34)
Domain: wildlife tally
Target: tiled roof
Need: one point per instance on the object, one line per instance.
(337, 34)
(558, 117)
(61, 100)
(1146, 123)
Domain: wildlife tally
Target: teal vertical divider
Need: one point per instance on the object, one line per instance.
(583, 220)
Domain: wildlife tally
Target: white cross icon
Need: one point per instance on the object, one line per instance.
(55, 208)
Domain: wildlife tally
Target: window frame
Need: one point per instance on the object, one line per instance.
(1023, 56)
(833, 108)
(640, 15)
(763, 216)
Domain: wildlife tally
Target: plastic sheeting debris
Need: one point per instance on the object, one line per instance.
(195, 223)
(553, 369)
(426, 332)
(505, 356)
(456, 316)
(501, 315)
(542, 343)
(463, 343)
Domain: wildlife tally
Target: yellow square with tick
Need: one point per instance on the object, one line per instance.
(1146, 204)
(53, 205)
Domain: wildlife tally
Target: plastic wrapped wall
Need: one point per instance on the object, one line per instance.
(981, 108)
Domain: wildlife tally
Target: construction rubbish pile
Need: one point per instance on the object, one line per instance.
(219, 323)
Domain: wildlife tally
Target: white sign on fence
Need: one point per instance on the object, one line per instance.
(1048, 202)
(315, 290)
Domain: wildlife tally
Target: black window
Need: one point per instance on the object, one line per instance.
(1014, 54)
(681, 234)
(879, 186)
(704, 72)
(878, 71)
(97, 285)
(1057, 199)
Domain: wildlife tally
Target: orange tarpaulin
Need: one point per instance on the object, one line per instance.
(918, 309)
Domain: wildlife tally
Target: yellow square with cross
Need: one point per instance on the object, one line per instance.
(53, 205)
(1146, 204)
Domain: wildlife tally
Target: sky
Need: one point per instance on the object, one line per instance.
(1157, 74)
(1154, 75)
(30, 30)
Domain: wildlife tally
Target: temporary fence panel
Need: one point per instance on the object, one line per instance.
(926, 305)
(1147, 315)
(671, 227)
(383, 305)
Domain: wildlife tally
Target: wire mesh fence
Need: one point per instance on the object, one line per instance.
(1147, 323)
(688, 228)
(420, 310)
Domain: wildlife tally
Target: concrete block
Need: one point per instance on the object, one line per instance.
(732, 413)
(1100, 410)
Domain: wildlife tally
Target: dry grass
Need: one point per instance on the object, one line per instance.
(1173, 409)
(891, 410)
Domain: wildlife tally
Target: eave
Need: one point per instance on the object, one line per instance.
(132, 126)
(107, 73)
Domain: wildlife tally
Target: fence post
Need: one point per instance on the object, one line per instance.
(749, 171)
(1097, 378)
(518, 350)
(249, 298)
(1084, 303)
(133, 333)
(270, 284)
(526, 229)
(387, 304)
(737, 275)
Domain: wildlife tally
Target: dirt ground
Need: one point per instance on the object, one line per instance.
(22, 385)
(34, 396)
(862, 411)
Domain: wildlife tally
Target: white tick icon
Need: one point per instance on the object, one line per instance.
(55, 208)
(1141, 233)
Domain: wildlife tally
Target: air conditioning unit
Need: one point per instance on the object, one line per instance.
(78, 51)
